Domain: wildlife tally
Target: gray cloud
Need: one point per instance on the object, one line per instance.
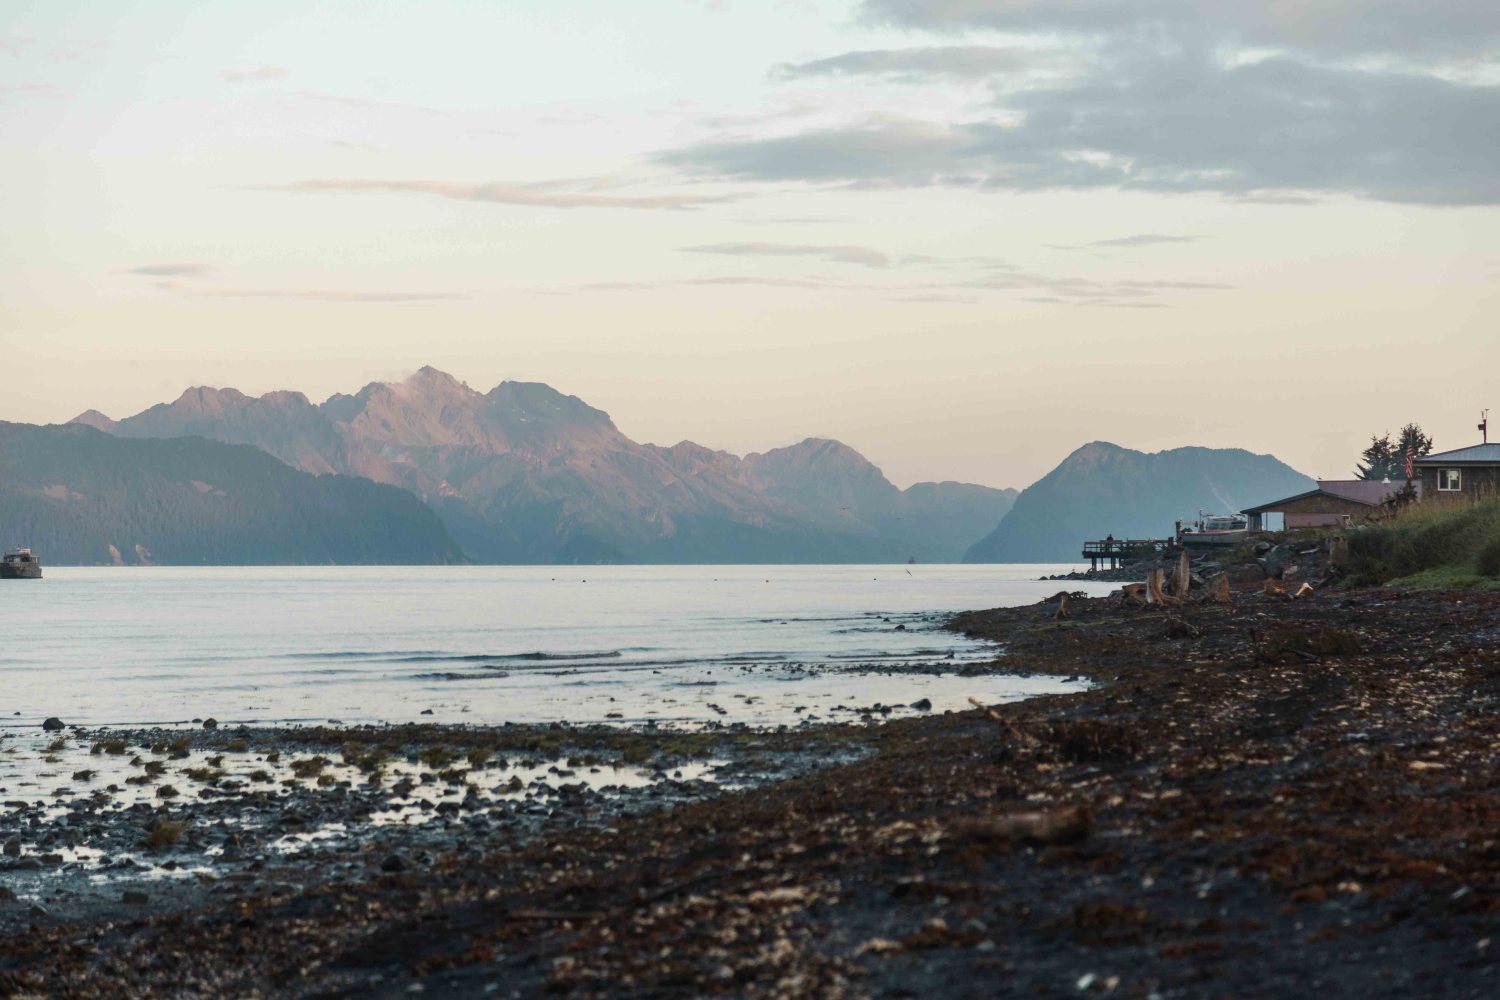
(843, 254)
(1324, 26)
(178, 269)
(1142, 240)
(888, 150)
(1039, 288)
(322, 295)
(1268, 102)
(822, 284)
(938, 297)
(1180, 122)
(962, 61)
(366, 105)
(791, 220)
(255, 75)
(546, 194)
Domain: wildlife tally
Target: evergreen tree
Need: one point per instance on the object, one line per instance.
(1386, 459)
(1413, 438)
(1378, 461)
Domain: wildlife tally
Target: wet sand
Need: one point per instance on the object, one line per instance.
(1268, 799)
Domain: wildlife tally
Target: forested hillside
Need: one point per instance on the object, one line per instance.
(80, 496)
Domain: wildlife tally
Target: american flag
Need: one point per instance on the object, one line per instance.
(1409, 457)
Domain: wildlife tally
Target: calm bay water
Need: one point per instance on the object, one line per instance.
(676, 644)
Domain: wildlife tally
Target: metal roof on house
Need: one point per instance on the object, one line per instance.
(1474, 453)
(1370, 492)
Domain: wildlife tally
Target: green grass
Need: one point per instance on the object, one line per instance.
(1446, 578)
(1429, 547)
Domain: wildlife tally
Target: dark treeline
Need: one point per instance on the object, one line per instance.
(72, 493)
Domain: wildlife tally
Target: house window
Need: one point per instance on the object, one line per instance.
(1449, 480)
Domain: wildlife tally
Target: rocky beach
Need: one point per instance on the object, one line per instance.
(1269, 797)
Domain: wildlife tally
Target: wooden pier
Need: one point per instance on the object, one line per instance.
(1118, 550)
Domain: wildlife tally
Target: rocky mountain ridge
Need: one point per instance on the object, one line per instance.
(524, 473)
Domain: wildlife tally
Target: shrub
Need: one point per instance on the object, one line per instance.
(1488, 561)
(164, 833)
(1423, 538)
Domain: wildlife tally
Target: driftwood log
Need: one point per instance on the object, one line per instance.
(1057, 826)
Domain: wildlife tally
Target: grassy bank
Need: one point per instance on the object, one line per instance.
(1427, 547)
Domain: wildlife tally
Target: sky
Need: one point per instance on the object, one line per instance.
(962, 236)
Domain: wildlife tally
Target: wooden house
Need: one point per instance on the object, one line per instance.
(1334, 502)
(1461, 474)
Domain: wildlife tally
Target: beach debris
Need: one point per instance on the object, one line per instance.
(1219, 593)
(1134, 593)
(1093, 740)
(164, 833)
(1156, 589)
(53, 724)
(879, 946)
(1303, 590)
(1020, 734)
(1054, 826)
(1182, 577)
(1179, 629)
(1062, 607)
(210, 723)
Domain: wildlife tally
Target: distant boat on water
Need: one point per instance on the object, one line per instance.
(21, 564)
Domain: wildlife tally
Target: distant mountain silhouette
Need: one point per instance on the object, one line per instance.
(1103, 489)
(80, 496)
(524, 473)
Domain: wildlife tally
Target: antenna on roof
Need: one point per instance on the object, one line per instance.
(1484, 425)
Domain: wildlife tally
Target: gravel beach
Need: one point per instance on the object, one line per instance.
(1268, 798)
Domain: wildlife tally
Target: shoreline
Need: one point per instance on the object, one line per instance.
(1266, 798)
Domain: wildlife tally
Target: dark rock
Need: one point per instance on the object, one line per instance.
(53, 724)
(6, 896)
(924, 705)
(12, 848)
(426, 711)
(394, 863)
(210, 723)
(1277, 560)
(135, 897)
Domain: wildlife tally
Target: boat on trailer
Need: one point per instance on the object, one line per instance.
(1213, 529)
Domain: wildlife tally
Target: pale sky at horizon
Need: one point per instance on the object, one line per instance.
(962, 236)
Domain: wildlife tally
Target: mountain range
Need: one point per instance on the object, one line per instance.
(82, 497)
(525, 474)
(1103, 489)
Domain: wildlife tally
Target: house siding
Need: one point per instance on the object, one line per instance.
(1317, 511)
(1478, 481)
